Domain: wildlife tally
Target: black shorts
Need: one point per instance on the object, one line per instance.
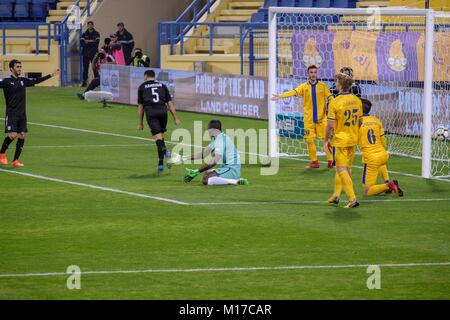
(157, 121)
(16, 123)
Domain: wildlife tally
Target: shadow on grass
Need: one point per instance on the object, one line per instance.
(148, 176)
(100, 167)
(339, 214)
(436, 185)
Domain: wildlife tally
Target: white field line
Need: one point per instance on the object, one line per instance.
(191, 145)
(200, 270)
(130, 145)
(90, 186)
(146, 196)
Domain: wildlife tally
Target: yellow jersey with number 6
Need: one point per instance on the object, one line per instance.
(371, 135)
(346, 111)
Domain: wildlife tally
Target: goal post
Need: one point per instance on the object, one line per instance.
(393, 84)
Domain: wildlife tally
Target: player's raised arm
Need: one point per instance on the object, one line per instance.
(291, 93)
(31, 82)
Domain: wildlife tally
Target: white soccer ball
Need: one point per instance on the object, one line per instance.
(441, 133)
(175, 158)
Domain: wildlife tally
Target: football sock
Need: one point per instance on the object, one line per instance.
(6, 144)
(161, 150)
(384, 172)
(217, 181)
(329, 154)
(19, 148)
(312, 151)
(377, 189)
(347, 185)
(337, 185)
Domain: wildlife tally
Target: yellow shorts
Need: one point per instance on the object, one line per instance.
(344, 156)
(371, 166)
(315, 130)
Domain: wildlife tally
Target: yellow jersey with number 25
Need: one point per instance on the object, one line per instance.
(346, 111)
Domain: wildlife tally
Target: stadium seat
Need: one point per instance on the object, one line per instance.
(286, 3)
(6, 11)
(270, 3)
(304, 3)
(39, 10)
(323, 3)
(344, 4)
(22, 10)
(260, 16)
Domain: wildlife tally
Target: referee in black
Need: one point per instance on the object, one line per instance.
(16, 116)
(154, 99)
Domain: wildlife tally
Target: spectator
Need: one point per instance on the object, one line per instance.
(102, 57)
(90, 40)
(116, 50)
(139, 59)
(126, 40)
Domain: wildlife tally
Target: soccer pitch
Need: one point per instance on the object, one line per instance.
(90, 196)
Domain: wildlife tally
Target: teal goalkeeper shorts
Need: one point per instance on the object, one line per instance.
(229, 172)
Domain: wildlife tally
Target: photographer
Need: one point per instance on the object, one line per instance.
(102, 57)
(139, 59)
(106, 44)
(116, 50)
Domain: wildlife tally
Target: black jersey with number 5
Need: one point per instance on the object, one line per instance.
(153, 96)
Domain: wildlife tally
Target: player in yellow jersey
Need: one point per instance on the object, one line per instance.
(344, 119)
(315, 95)
(374, 155)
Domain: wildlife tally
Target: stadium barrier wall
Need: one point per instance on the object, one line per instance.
(224, 94)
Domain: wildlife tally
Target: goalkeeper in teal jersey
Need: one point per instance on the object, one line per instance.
(223, 152)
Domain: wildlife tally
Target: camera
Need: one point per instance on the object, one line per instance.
(138, 54)
(101, 55)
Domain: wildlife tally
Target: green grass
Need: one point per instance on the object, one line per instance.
(47, 226)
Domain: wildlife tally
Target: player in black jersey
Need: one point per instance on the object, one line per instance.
(154, 99)
(355, 89)
(14, 89)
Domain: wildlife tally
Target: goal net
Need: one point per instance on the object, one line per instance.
(395, 61)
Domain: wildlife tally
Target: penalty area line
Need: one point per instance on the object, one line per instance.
(200, 270)
(91, 186)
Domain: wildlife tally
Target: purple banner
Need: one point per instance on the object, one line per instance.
(397, 56)
(313, 48)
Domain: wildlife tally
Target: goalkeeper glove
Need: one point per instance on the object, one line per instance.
(191, 174)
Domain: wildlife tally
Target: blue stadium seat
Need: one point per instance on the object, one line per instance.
(304, 3)
(260, 16)
(39, 10)
(344, 3)
(22, 9)
(286, 3)
(270, 3)
(6, 11)
(323, 3)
